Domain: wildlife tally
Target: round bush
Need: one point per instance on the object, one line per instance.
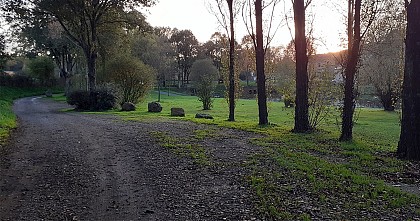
(98, 100)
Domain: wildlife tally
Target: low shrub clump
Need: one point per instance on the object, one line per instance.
(99, 100)
(19, 81)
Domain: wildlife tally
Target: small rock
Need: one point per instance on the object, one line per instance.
(177, 112)
(128, 106)
(48, 93)
(154, 107)
(205, 116)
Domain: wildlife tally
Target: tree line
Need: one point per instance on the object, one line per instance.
(87, 34)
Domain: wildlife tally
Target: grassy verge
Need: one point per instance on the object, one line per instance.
(7, 118)
(188, 149)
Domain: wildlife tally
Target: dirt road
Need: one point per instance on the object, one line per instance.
(73, 166)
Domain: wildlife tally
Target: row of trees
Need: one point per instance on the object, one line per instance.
(361, 16)
(88, 32)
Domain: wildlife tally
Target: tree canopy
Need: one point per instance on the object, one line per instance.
(81, 20)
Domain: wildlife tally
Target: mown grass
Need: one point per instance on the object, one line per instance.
(354, 176)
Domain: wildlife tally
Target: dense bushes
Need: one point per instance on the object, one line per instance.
(132, 78)
(98, 100)
(20, 81)
(203, 75)
(42, 68)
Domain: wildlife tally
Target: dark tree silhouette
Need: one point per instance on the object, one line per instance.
(351, 69)
(186, 46)
(262, 96)
(302, 105)
(409, 144)
(230, 30)
(231, 63)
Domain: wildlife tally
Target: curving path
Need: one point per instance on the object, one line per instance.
(72, 166)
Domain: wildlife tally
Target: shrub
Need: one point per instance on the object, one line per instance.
(98, 100)
(16, 80)
(80, 99)
(133, 78)
(42, 68)
(204, 74)
(102, 100)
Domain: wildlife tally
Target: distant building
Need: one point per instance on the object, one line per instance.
(327, 64)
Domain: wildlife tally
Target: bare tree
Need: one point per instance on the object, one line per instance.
(382, 67)
(355, 36)
(261, 43)
(382, 60)
(230, 30)
(409, 144)
(302, 80)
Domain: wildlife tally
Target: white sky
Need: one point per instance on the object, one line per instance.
(195, 15)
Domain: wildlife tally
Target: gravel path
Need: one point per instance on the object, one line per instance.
(73, 166)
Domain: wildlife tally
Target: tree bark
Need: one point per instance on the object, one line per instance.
(409, 144)
(68, 86)
(231, 64)
(262, 96)
(302, 104)
(91, 59)
(350, 73)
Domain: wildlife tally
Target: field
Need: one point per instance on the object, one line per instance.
(358, 177)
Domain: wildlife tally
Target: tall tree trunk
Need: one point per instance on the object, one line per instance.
(350, 73)
(91, 59)
(68, 86)
(262, 96)
(409, 144)
(92, 54)
(302, 104)
(231, 64)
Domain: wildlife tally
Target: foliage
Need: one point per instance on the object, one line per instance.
(361, 17)
(186, 46)
(80, 99)
(3, 54)
(42, 68)
(16, 80)
(133, 78)
(382, 66)
(99, 100)
(103, 100)
(203, 75)
(323, 95)
(157, 52)
(284, 78)
(81, 20)
(50, 36)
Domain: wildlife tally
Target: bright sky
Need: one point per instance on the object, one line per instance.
(195, 15)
